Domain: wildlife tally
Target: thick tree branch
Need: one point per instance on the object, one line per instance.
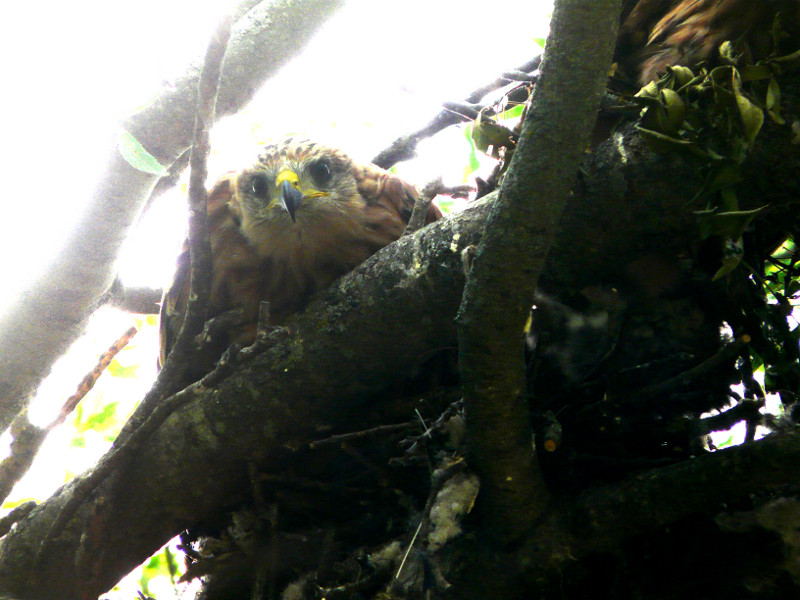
(39, 327)
(601, 519)
(355, 340)
(285, 393)
(520, 232)
(140, 300)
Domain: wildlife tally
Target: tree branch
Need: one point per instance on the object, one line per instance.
(201, 268)
(46, 318)
(349, 346)
(28, 438)
(608, 515)
(519, 234)
(139, 300)
(404, 147)
(287, 390)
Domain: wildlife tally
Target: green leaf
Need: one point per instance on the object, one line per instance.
(725, 443)
(773, 101)
(162, 564)
(136, 156)
(681, 76)
(473, 164)
(446, 204)
(732, 253)
(792, 288)
(489, 136)
(103, 419)
(675, 110)
(755, 72)
(116, 369)
(142, 321)
(752, 116)
(659, 142)
(721, 179)
(648, 94)
(729, 225)
(512, 113)
(794, 56)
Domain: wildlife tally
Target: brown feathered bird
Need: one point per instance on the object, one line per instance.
(284, 228)
(655, 34)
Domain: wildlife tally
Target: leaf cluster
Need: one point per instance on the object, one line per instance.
(714, 116)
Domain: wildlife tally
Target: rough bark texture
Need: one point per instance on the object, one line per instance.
(39, 327)
(353, 342)
(511, 258)
(287, 395)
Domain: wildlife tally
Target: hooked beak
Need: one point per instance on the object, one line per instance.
(291, 193)
(290, 198)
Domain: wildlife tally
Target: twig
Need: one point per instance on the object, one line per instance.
(171, 376)
(434, 188)
(199, 244)
(439, 477)
(154, 408)
(748, 410)
(139, 300)
(404, 148)
(87, 383)
(336, 439)
(28, 438)
(410, 546)
(419, 215)
(725, 354)
(502, 280)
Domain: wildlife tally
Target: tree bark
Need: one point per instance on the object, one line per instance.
(352, 343)
(520, 231)
(409, 292)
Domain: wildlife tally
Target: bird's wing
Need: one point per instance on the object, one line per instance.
(656, 34)
(389, 198)
(235, 270)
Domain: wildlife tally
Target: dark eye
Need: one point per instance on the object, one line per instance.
(320, 172)
(259, 185)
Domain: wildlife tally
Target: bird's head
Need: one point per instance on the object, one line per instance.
(294, 186)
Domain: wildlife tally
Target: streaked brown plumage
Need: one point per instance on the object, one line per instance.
(655, 34)
(289, 225)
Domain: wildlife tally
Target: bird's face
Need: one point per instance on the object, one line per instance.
(295, 188)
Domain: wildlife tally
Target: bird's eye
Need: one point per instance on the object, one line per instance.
(259, 185)
(320, 172)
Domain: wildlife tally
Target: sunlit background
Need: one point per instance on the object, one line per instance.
(74, 70)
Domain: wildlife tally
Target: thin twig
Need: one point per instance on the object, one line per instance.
(725, 354)
(344, 437)
(439, 477)
(404, 148)
(422, 203)
(154, 408)
(173, 371)
(419, 215)
(28, 438)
